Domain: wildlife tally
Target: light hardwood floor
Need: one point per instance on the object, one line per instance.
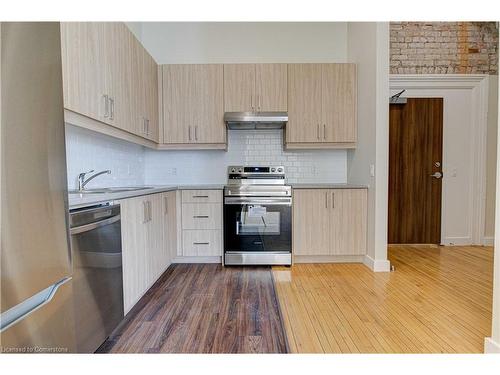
(438, 300)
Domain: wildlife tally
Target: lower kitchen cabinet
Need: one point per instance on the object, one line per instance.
(329, 223)
(201, 223)
(148, 242)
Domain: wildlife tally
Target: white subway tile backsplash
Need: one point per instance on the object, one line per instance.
(86, 150)
(263, 147)
(135, 165)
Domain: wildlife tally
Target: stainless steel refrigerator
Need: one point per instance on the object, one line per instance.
(36, 306)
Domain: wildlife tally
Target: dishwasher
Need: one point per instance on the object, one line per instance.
(96, 250)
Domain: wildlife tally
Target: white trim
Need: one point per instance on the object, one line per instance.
(328, 259)
(490, 346)
(478, 83)
(456, 241)
(377, 265)
(488, 241)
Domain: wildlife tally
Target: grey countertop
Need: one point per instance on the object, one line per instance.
(82, 200)
(328, 186)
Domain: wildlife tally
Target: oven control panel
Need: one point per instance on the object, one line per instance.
(256, 170)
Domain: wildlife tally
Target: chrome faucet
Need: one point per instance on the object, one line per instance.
(82, 181)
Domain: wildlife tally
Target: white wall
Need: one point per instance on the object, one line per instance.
(221, 42)
(492, 344)
(263, 147)
(368, 46)
(86, 150)
(491, 159)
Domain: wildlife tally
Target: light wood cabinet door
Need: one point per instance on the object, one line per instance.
(170, 224)
(157, 252)
(178, 95)
(120, 76)
(201, 196)
(83, 50)
(207, 105)
(348, 216)
(202, 242)
(150, 95)
(339, 109)
(311, 222)
(239, 88)
(135, 232)
(271, 87)
(304, 104)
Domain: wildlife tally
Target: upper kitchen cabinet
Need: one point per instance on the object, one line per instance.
(255, 87)
(109, 77)
(193, 107)
(84, 57)
(304, 104)
(321, 106)
(146, 100)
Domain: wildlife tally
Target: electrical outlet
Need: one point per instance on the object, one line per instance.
(372, 170)
(174, 171)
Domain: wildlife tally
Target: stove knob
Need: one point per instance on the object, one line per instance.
(233, 170)
(280, 170)
(240, 170)
(273, 170)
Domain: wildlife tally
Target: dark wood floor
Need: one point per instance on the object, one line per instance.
(204, 308)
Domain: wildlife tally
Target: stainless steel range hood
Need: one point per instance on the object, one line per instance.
(255, 120)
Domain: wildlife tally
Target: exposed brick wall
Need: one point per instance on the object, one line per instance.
(444, 47)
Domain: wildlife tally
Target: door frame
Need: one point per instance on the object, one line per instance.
(478, 86)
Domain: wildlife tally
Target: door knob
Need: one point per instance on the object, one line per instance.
(437, 175)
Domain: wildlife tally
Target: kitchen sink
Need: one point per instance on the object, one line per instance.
(110, 190)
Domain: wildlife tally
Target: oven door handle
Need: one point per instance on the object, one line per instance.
(262, 201)
(237, 228)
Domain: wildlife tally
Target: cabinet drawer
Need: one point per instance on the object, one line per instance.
(201, 242)
(202, 216)
(202, 196)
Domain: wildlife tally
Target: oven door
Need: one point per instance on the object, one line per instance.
(258, 224)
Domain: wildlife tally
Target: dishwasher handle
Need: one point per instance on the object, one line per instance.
(95, 225)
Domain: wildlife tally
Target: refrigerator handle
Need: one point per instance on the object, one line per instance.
(30, 305)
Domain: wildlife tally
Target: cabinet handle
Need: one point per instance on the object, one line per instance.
(196, 133)
(333, 199)
(258, 99)
(106, 106)
(189, 130)
(165, 200)
(324, 131)
(201, 243)
(317, 131)
(237, 228)
(326, 200)
(200, 217)
(150, 211)
(200, 196)
(111, 109)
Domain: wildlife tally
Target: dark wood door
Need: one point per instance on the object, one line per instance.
(415, 154)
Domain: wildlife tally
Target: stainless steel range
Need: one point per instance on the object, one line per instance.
(257, 216)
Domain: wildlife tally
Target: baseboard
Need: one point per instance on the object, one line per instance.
(490, 346)
(328, 258)
(377, 265)
(488, 241)
(457, 241)
(205, 259)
